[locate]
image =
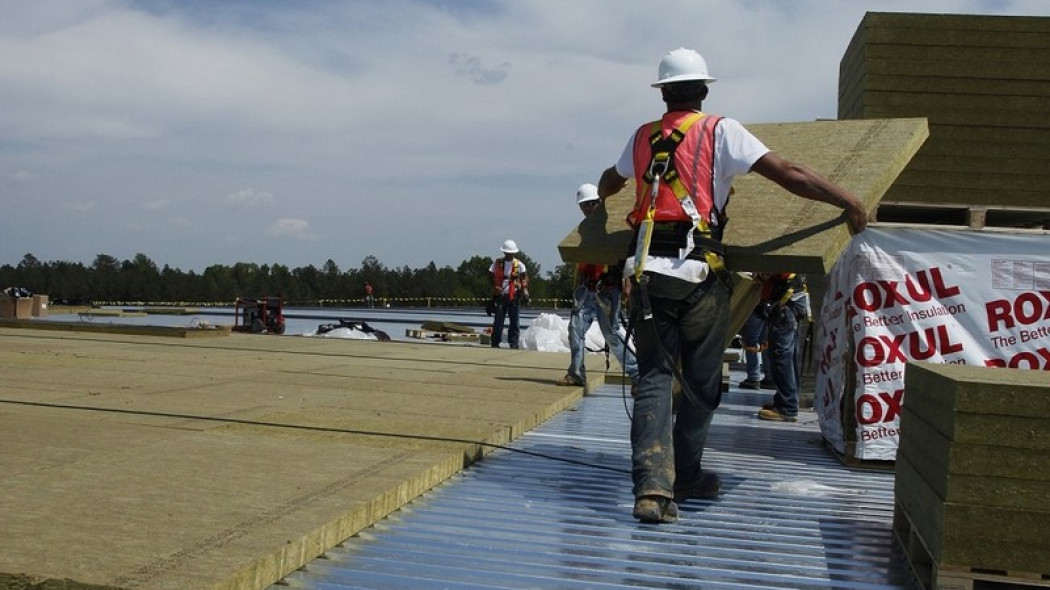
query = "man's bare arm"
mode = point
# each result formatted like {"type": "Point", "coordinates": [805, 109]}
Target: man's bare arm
{"type": "Point", "coordinates": [610, 183]}
{"type": "Point", "coordinates": [807, 184]}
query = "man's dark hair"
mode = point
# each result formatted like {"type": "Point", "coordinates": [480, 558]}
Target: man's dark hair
{"type": "Point", "coordinates": [684, 91]}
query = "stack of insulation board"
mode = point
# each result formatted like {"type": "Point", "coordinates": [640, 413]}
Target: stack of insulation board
{"type": "Point", "coordinates": [984, 84]}
{"type": "Point", "coordinates": [973, 473]}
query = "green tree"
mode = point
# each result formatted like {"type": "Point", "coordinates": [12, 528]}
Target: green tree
{"type": "Point", "coordinates": [309, 279]}
{"type": "Point", "coordinates": [107, 282]}
{"type": "Point", "coordinates": [284, 284]}
{"type": "Point", "coordinates": [475, 278]}
{"type": "Point", "coordinates": [29, 262]}
{"type": "Point", "coordinates": [219, 284]}
{"type": "Point", "coordinates": [105, 263]}
{"type": "Point", "coordinates": [68, 282]}
{"type": "Point", "coordinates": [374, 273]}
{"type": "Point", "coordinates": [561, 282]}
{"type": "Point", "coordinates": [30, 273]}
{"type": "Point", "coordinates": [141, 279]}
{"type": "Point", "coordinates": [331, 280]}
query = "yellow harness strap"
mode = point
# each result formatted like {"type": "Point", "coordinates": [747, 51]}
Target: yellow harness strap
{"type": "Point", "coordinates": [663, 149]}
{"type": "Point", "coordinates": [788, 292]}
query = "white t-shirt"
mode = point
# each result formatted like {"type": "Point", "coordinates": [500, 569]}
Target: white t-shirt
{"type": "Point", "coordinates": [736, 151]}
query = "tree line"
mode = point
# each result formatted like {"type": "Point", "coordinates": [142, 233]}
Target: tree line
{"type": "Point", "coordinates": [109, 280]}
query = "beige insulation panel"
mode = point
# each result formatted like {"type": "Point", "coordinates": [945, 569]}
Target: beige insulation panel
{"type": "Point", "coordinates": [983, 82]}
{"type": "Point", "coordinates": [971, 471]}
{"type": "Point", "coordinates": [771, 230]}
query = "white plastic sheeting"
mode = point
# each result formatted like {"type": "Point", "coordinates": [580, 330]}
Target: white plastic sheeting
{"type": "Point", "coordinates": [550, 333]}
{"type": "Point", "coordinates": [547, 332]}
{"type": "Point", "coordinates": [938, 295]}
{"type": "Point", "coordinates": [345, 333]}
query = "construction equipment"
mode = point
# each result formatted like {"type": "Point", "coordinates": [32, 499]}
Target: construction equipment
{"type": "Point", "coordinates": [258, 316]}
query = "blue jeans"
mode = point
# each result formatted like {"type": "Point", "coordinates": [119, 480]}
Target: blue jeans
{"type": "Point", "coordinates": [784, 355]}
{"type": "Point", "coordinates": [604, 308]}
{"type": "Point", "coordinates": [506, 308]}
{"type": "Point", "coordinates": [667, 444]}
{"type": "Point", "coordinates": [754, 337]}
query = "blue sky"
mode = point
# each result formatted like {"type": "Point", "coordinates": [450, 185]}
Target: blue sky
{"type": "Point", "coordinates": [212, 132]}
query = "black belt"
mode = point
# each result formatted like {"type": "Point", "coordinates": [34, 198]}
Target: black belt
{"type": "Point", "coordinates": [669, 238]}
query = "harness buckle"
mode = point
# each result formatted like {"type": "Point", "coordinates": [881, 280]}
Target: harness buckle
{"type": "Point", "coordinates": [647, 306]}
{"type": "Point", "coordinates": [660, 163]}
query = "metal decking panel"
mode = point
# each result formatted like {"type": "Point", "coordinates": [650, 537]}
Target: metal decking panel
{"type": "Point", "coordinates": [790, 516]}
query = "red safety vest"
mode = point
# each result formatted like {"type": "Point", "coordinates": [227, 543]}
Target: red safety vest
{"type": "Point", "coordinates": [497, 278]}
{"type": "Point", "coordinates": [779, 287]}
{"type": "Point", "coordinates": [590, 274]}
{"type": "Point", "coordinates": [695, 169]}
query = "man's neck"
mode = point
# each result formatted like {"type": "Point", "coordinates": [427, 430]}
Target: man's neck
{"type": "Point", "coordinates": [691, 105]}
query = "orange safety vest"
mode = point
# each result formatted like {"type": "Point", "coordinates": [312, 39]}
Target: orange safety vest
{"type": "Point", "coordinates": [590, 274]}
{"type": "Point", "coordinates": [779, 287]}
{"type": "Point", "coordinates": [693, 167]}
{"type": "Point", "coordinates": [497, 278]}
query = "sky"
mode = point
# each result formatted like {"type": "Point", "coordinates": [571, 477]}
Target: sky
{"type": "Point", "coordinates": [201, 132]}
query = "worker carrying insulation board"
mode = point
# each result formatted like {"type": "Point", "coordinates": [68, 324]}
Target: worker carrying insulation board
{"type": "Point", "coordinates": [683, 165]}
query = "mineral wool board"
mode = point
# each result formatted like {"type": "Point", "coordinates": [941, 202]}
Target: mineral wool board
{"type": "Point", "coordinates": [983, 82]}
{"type": "Point", "coordinates": [769, 229]}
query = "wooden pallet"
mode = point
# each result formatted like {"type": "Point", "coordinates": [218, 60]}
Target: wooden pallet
{"type": "Point", "coordinates": [972, 216]}
{"type": "Point", "coordinates": [475, 337]}
{"type": "Point", "coordinates": [432, 326]}
{"type": "Point", "coordinates": [850, 459]}
{"type": "Point", "coordinates": [938, 576]}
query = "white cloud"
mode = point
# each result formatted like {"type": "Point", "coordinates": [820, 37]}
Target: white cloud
{"type": "Point", "coordinates": [249, 197]}
{"type": "Point", "coordinates": [290, 227]}
{"type": "Point", "coordinates": [458, 124]}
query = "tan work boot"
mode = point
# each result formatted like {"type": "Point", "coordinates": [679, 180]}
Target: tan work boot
{"type": "Point", "coordinates": [655, 509]}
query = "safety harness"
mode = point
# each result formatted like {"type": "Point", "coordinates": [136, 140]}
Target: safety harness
{"type": "Point", "coordinates": [785, 287]}
{"type": "Point", "coordinates": [696, 240]}
{"type": "Point", "coordinates": [514, 282]}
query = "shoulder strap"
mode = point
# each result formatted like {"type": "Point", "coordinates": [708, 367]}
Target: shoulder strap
{"type": "Point", "coordinates": [662, 148]}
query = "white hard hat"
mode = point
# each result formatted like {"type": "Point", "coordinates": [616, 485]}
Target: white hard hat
{"type": "Point", "coordinates": [509, 247]}
{"type": "Point", "coordinates": [586, 192]}
{"type": "Point", "coordinates": [682, 65]}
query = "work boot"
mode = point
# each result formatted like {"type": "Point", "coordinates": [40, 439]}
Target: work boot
{"type": "Point", "coordinates": [655, 509]}
{"type": "Point", "coordinates": [706, 488]}
{"type": "Point", "coordinates": [750, 384]}
{"type": "Point", "coordinates": [775, 415]}
{"type": "Point", "coordinates": [570, 381]}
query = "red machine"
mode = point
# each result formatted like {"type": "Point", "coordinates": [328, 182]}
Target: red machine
{"type": "Point", "coordinates": [265, 314]}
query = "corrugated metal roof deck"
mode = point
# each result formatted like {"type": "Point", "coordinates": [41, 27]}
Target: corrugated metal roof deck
{"type": "Point", "coordinates": [790, 516]}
